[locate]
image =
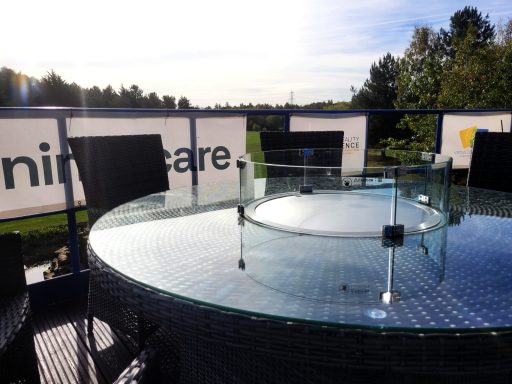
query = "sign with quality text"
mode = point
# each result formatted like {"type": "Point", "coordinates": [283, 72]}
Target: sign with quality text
{"type": "Point", "coordinates": [355, 134]}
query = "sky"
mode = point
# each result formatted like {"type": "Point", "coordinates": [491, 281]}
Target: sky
{"type": "Point", "coordinates": [219, 51]}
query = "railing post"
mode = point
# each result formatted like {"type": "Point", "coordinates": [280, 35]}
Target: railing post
{"type": "Point", "coordinates": [439, 132]}
{"type": "Point", "coordinates": [286, 122]}
{"type": "Point", "coordinates": [73, 242]}
{"type": "Point", "coordinates": [193, 149]}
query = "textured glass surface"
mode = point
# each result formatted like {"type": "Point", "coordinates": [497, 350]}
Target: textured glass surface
{"type": "Point", "coordinates": [191, 243]}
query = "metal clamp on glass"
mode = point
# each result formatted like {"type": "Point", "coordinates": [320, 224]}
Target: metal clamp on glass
{"type": "Point", "coordinates": [305, 189]}
{"type": "Point", "coordinates": [424, 199]}
{"type": "Point", "coordinates": [389, 297]}
{"type": "Point", "coordinates": [240, 164]}
{"type": "Point", "coordinates": [392, 231]}
{"type": "Point", "coordinates": [394, 172]}
{"type": "Point", "coordinates": [392, 235]}
{"type": "Point", "coordinates": [430, 157]}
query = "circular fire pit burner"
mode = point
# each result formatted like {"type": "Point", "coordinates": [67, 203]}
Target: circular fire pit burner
{"type": "Point", "coordinates": [340, 213]}
{"type": "Point", "coordinates": [330, 192]}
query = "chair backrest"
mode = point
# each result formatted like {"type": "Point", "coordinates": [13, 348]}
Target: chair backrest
{"type": "Point", "coordinates": [13, 272]}
{"type": "Point", "coordinates": [117, 169]}
{"type": "Point", "coordinates": [274, 142]}
{"type": "Point", "coordinates": [491, 161]}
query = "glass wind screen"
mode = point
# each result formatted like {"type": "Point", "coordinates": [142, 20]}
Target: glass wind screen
{"type": "Point", "coordinates": [310, 191]}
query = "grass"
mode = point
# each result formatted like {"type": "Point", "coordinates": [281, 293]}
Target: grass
{"type": "Point", "coordinates": [43, 236]}
{"type": "Point", "coordinates": [253, 142]}
{"type": "Point", "coordinates": [254, 145]}
{"type": "Point", "coordinates": [37, 223]}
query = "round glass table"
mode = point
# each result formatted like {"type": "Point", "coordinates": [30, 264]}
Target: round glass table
{"type": "Point", "coordinates": [436, 304]}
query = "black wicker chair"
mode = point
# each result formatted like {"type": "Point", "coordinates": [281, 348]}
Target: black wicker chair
{"type": "Point", "coordinates": [18, 359]}
{"type": "Point", "coordinates": [143, 369]}
{"type": "Point", "coordinates": [491, 161]}
{"type": "Point", "coordinates": [286, 148]}
{"type": "Point", "coordinates": [115, 170]}
{"type": "Point", "coordinates": [158, 362]}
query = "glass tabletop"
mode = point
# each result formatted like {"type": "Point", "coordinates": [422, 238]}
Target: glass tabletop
{"type": "Point", "coordinates": [191, 243]}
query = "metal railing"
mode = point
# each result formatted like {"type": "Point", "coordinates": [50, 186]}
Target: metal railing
{"type": "Point", "coordinates": [76, 283]}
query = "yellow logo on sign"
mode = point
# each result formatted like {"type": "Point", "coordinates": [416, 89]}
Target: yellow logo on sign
{"type": "Point", "coordinates": [467, 136]}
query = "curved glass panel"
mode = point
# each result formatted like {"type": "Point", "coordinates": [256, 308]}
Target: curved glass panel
{"type": "Point", "coordinates": [328, 192]}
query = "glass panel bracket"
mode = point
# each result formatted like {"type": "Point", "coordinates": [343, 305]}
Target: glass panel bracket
{"type": "Point", "coordinates": [394, 172]}
{"type": "Point", "coordinates": [389, 297]}
{"type": "Point", "coordinates": [240, 164]}
{"type": "Point", "coordinates": [392, 235]}
{"type": "Point", "coordinates": [305, 189]}
{"type": "Point", "coordinates": [424, 199]}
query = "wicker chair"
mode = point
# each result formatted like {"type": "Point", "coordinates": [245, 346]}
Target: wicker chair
{"type": "Point", "coordinates": [141, 370]}
{"type": "Point", "coordinates": [491, 161]}
{"type": "Point", "coordinates": [278, 146]}
{"type": "Point", "coordinates": [115, 170]}
{"type": "Point", "coordinates": [18, 359]}
{"type": "Point", "coordinates": [158, 362]}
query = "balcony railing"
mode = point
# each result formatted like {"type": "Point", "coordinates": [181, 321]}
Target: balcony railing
{"type": "Point", "coordinates": [202, 145]}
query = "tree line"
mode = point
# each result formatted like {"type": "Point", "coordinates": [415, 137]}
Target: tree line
{"type": "Point", "coordinates": [20, 90]}
{"type": "Point", "coordinates": [468, 66]}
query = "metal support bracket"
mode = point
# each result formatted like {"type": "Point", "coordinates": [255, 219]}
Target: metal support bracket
{"type": "Point", "coordinates": [392, 231]}
{"type": "Point", "coordinates": [394, 172]}
{"type": "Point", "coordinates": [430, 157]}
{"type": "Point", "coordinates": [424, 199]}
{"type": "Point", "coordinates": [389, 297]}
{"type": "Point", "coordinates": [392, 235]}
{"type": "Point", "coordinates": [305, 189]}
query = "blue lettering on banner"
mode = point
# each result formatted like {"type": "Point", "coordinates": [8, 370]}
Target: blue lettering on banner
{"type": "Point", "coordinates": [182, 160]}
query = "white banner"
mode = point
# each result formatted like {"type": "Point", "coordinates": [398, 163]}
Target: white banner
{"type": "Point", "coordinates": [220, 141]}
{"type": "Point", "coordinates": [354, 137]}
{"type": "Point", "coordinates": [459, 131]}
{"type": "Point", "coordinates": [34, 154]}
{"type": "Point", "coordinates": [31, 173]}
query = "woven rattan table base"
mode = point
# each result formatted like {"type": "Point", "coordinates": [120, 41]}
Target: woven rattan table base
{"type": "Point", "coordinates": [219, 346]}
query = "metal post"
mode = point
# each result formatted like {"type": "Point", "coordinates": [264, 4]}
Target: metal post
{"type": "Point", "coordinates": [439, 132]}
{"type": "Point", "coordinates": [391, 267]}
{"type": "Point", "coordinates": [193, 148]}
{"type": "Point", "coordinates": [286, 122]}
{"type": "Point", "coordinates": [73, 242]}
{"type": "Point", "coordinates": [394, 199]}
{"type": "Point", "coordinates": [68, 189]}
